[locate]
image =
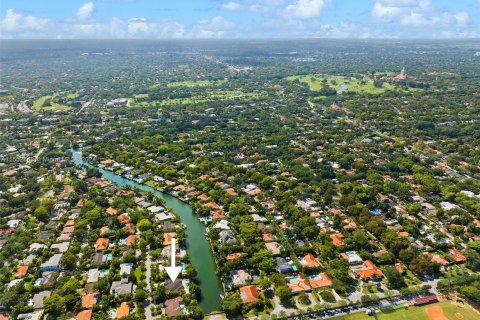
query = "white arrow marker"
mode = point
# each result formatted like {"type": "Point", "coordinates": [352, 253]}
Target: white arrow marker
{"type": "Point", "coordinates": [173, 271]}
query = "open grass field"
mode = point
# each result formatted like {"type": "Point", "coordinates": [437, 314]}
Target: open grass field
{"type": "Point", "coordinates": [200, 83]}
{"type": "Point", "coordinates": [363, 85]}
{"type": "Point", "coordinates": [39, 104]}
{"type": "Point", "coordinates": [449, 308]}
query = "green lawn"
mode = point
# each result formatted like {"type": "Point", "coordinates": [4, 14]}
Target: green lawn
{"type": "Point", "coordinates": [138, 273]}
{"type": "Point", "coordinates": [418, 313]}
{"type": "Point", "coordinates": [199, 83]}
{"type": "Point", "coordinates": [365, 85]}
{"type": "Point", "coordinates": [39, 104]}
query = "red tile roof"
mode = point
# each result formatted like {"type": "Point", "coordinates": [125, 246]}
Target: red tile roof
{"type": "Point", "coordinates": [249, 293]}
{"type": "Point", "coordinates": [337, 239]}
{"type": "Point", "coordinates": [89, 300]}
{"type": "Point", "coordinates": [21, 271]}
{"type": "Point", "coordinates": [84, 315]}
{"type": "Point", "coordinates": [123, 311]}
{"type": "Point", "coordinates": [101, 244]}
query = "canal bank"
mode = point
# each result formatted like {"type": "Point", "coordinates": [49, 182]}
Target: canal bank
{"type": "Point", "coordinates": [198, 247]}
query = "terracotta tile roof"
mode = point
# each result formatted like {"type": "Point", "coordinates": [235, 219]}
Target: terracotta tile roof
{"type": "Point", "coordinates": [234, 256]}
{"type": "Point", "coordinates": [211, 205]}
{"type": "Point", "coordinates": [320, 280]}
{"type": "Point", "coordinates": [3, 316]}
{"type": "Point", "coordinates": [123, 218]}
{"type": "Point", "coordinates": [167, 238]}
{"type": "Point", "coordinates": [217, 214]}
{"type": "Point", "coordinates": [21, 271]}
{"type": "Point", "coordinates": [203, 197]}
{"type": "Point", "coordinates": [456, 255]}
{"type": "Point", "coordinates": [268, 237]}
{"type": "Point", "coordinates": [123, 311]}
{"type": "Point", "coordinates": [368, 270]}
{"type": "Point", "coordinates": [299, 286]}
{"type": "Point", "coordinates": [68, 229]}
{"type": "Point", "coordinates": [101, 244]}
{"type": "Point", "coordinates": [69, 223]}
{"type": "Point", "coordinates": [249, 294]}
{"type": "Point", "coordinates": [231, 192]}
{"type": "Point", "coordinates": [309, 260]}
{"type": "Point", "coordinates": [436, 258]}
{"type": "Point", "coordinates": [131, 240]}
{"type": "Point", "coordinates": [112, 211]}
{"type": "Point", "coordinates": [84, 315]}
{"type": "Point", "coordinates": [89, 300]}
{"type": "Point", "coordinates": [337, 239]}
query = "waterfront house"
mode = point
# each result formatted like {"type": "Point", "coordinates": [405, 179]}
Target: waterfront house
{"type": "Point", "coordinates": [249, 294]}
{"type": "Point", "coordinates": [227, 237]}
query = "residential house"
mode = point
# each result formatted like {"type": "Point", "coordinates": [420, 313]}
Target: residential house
{"type": "Point", "coordinates": [352, 257]}
{"type": "Point", "coordinates": [238, 278]}
{"type": "Point", "coordinates": [53, 263]}
{"type": "Point", "coordinates": [122, 287]}
{"type": "Point", "coordinates": [173, 307]}
{"type": "Point", "coordinates": [249, 294]}
{"type": "Point", "coordinates": [38, 298]}
{"type": "Point", "coordinates": [101, 244]}
{"type": "Point", "coordinates": [283, 266]}
{"type": "Point", "coordinates": [226, 236]}
{"type": "Point", "coordinates": [320, 280]}
{"type": "Point", "coordinates": [367, 271]}
{"type": "Point", "coordinates": [337, 239]}
{"type": "Point", "coordinates": [309, 261]}
{"type": "Point", "coordinates": [273, 247]}
{"type": "Point", "coordinates": [89, 300]}
{"type": "Point", "coordinates": [84, 315]}
{"type": "Point", "coordinates": [298, 284]}
{"type": "Point", "coordinates": [123, 311]}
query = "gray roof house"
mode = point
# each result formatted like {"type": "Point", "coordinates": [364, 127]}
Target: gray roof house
{"type": "Point", "coordinates": [226, 236]}
{"type": "Point", "coordinates": [122, 287]}
{"type": "Point", "coordinates": [282, 265]}
{"type": "Point", "coordinates": [53, 263]}
{"type": "Point", "coordinates": [37, 300]}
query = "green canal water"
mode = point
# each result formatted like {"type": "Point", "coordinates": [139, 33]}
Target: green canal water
{"type": "Point", "coordinates": [198, 247]}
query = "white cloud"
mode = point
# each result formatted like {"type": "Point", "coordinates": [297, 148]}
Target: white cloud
{"type": "Point", "coordinates": [389, 9]}
{"type": "Point", "coordinates": [303, 9]}
{"type": "Point", "coordinates": [382, 11]}
{"type": "Point", "coordinates": [17, 22]}
{"type": "Point", "coordinates": [141, 27]}
{"type": "Point", "coordinates": [85, 11]}
{"type": "Point", "coordinates": [234, 6]}
{"type": "Point", "coordinates": [213, 28]}
{"type": "Point", "coordinates": [416, 19]}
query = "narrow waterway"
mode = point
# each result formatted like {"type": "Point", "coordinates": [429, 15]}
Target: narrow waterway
{"type": "Point", "coordinates": [198, 248]}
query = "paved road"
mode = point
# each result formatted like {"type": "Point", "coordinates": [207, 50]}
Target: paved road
{"type": "Point", "coordinates": [148, 275]}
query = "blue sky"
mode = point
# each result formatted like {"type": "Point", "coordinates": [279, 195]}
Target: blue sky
{"type": "Point", "coordinates": [240, 18]}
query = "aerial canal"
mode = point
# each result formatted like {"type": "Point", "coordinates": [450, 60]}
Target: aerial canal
{"type": "Point", "coordinates": [198, 247]}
